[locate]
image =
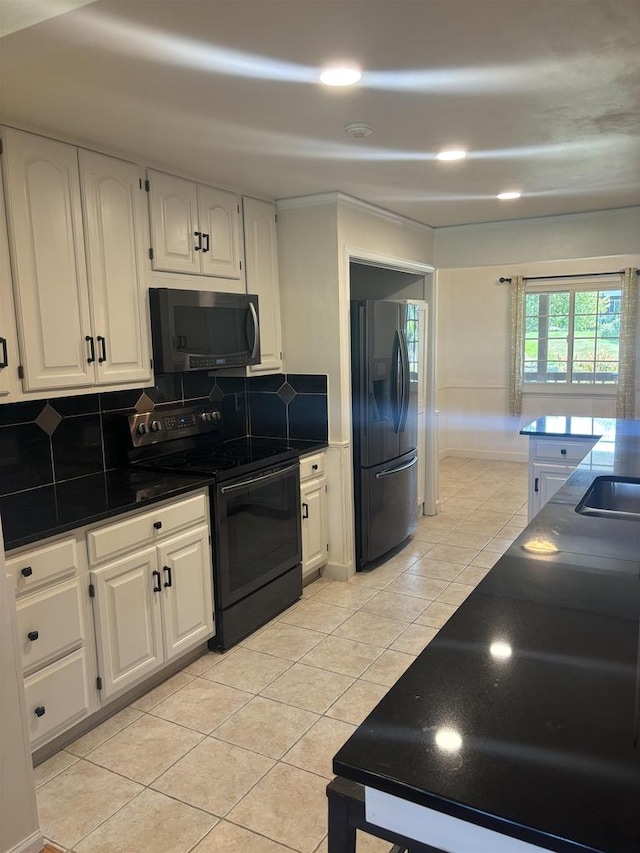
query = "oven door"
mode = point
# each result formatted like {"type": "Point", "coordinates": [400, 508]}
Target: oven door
{"type": "Point", "coordinates": [258, 530]}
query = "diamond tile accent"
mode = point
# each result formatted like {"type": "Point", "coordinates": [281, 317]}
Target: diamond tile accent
{"type": "Point", "coordinates": [286, 393]}
{"type": "Point", "coordinates": [48, 420]}
{"type": "Point", "coordinates": [144, 404]}
{"type": "Point", "coordinates": [216, 394]}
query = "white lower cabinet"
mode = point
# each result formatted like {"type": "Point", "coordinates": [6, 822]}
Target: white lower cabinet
{"type": "Point", "coordinates": [57, 697]}
{"type": "Point", "coordinates": [551, 461]}
{"type": "Point", "coordinates": [313, 502]}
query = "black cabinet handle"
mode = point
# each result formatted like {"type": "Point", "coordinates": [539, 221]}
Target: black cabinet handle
{"type": "Point", "coordinates": [5, 358]}
{"type": "Point", "coordinates": [92, 349]}
{"type": "Point", "coordinates": [40, 711]}
{"type": "Point", "coordinates": [26, 572]}
{"type": "Point", "coordinates": [33, 635]}
{"type": "Point", "coordinates": [103, 346]}
{"type": "Point", "coordinates": [157, 525]}
{"type": "Point", "coordinates": [314, 467]}
{"type": "Point", "coordinates": [206, 245]}
{"type": "Point", "coordinates": [168, 581]}
{"type": "Point", "coordinates": [157, 587]}
{"type": "Point", "coordinates": [535, 485]}
{"type": "Point", "coordinates": [563, 450]}
{"type": "Point", "coordinates": [198, 234]}
{"type": "Point", "coordinates": [305, 510]}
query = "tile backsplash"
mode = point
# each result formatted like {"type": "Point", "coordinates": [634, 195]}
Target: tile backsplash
{"type": "Point", "coordinates": [47, 441]}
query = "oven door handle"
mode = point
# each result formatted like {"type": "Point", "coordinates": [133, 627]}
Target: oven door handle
{"type": "Point", "coordinates": [253, 314]}
{"type": "Point", "coordinates": [235, 486]}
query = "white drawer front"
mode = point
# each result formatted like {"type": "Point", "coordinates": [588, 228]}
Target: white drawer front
{"type": "Point", "coordinates": [122, 536]}
{"type": "Point", "coordinates": [57, 696]}
{"type": "Point", "coordinates": [312, 466]}
{"type": "Point", "coordinates": [39, 566]}
{"type": "Point", "coordinates": [562, 451]}
{"type": "Point", "coordinates": [49, 624]}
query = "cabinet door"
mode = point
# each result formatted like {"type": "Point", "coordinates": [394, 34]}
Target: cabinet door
{"type": "Point", "coordinates": [127, 620]}
{"type": "Point", "coordinates": [50, 276]}
{"type": "Point", "coordinates": [261, 252]}
{"type": "Point", "coordinates": [174, 216]}
{"type": "Point", "coordinates": [219, 222]}
{"type": "Point", "coordinates": [187, 598]}
{"type": "Point", "coordinates": [546, 480]}
{"type": "Point", "coordinates": [114, 209]}
{"type": "Point", "coordinates": [313, 499]}
{"type": "Point", "coordinates": [8, 335]}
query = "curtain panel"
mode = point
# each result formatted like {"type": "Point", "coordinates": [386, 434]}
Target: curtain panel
{"type": "Point", "coordinates": [516, 343]}
{"type": "Point", "coordinates": [626, 400]}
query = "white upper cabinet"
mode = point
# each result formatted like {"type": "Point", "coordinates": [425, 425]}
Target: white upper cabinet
{"type": "Point", "coordinates": [261, 252]}
{"type": "Point", "coordinates": [8, 335]}
{"type": "Point", "coordinates": [194, 228]}
{"type": "Point", "coordinates": [114, 214]}
{"type": "Point", "coordinates": [50, 275]}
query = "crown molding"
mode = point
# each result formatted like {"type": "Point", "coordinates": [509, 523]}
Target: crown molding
{"type": "Point", "coordinates": [345, 200]}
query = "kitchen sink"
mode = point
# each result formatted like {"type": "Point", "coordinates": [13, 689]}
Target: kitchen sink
{"type": "Point", "coordinates": [612, 497]}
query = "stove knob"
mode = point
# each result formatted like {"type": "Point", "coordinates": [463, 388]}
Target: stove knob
{"type": "Point", "coordinates": [204, 417]}
{"type": "Point", "coordinates": [142, 429]}
{"type": "Point", "coordinates": [216, 416]}
{"type": "Point", "coordinates": [156, 426]}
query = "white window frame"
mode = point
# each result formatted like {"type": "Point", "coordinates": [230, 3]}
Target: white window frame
{"type": "Point", "coordinates": [568, 388]}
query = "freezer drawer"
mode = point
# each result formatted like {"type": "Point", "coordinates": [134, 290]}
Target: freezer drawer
{"type": "Point", "coordinates": [388, 504]}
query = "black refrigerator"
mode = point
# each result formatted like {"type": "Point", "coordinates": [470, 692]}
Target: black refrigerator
{"type": "Point", "coordinates": [384, 383]}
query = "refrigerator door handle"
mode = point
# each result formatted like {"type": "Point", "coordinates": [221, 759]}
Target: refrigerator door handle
{"type": "Point", "coordinates": [396, 391]}
{"type": "Point", "coordinates": [390, 471]}
{"type": "Point", "coordinates": [404, 362]}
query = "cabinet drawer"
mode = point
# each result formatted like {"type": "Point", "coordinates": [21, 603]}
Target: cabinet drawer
{"type": "Point", "coordinates": [312, 466]}
{"type": "Point", "coordinates": [122, 536]}
{"type": "Point", "coordinates": [49, 624]}
{"type": "Point", "coordinates": [39, 566]}
{"type": "Point", "coordinates": [556, 450]}
{"type": "Point", "coordinates": [56, 696]}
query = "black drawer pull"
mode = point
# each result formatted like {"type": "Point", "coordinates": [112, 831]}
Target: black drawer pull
{"type": "Point", "coordinates": [5, 359]}
{"type": "Point", "coordinates": [157, 525]}
{"type": "Point", "coordinates": [205, 237]}
{"type": "Point", "coordinates": [33, 635]}
{"type": "Point", "coordinates": [92, 349]}
{"type": "Point", "coordinates": [563, 450]}
{"type": "Point", "coordinates": [315, 467]}
{"type": "Point", "coordinates": [103, 346]}
{"type": "Point", "coordinates": [26, 572]}
{"type": "Point", "coordinates": [198, 234]}
{"type": "Point", "coordinates": [40, 711]}
{"type": "Point", "coordinates": [169, 581]}
{"type": "Point", "coordinates": [305, 510]}
{"type": "Point", "coordinates": [157, 586]}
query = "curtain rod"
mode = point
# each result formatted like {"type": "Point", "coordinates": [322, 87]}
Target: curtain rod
{"type": "Point", "coordinates": [504, 280]}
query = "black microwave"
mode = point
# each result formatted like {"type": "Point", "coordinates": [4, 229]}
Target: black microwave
{"type": "Point", "coordinates": [198, 330]}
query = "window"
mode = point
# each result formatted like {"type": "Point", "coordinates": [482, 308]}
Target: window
{"type": "Point", "coordinates": [572, 335]}
{"type": "Point", "coordinates": [412, 339]}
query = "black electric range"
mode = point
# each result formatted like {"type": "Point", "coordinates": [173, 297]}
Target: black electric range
{"type": "Point", "coordinates": [255, 511]}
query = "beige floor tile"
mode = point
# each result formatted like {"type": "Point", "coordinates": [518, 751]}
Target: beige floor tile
{"type": "Point", "coordinates": [510, 531]}
{"type": "Point", "coordinates": [498, 545]}
{"type": "Point", "coordinates": [474, 541]}
{"type": "Point", "coordinates": [388, 668]}
{"type": "Point", "coordinates": [487, 516]}
{"type": "Point", "coordinates": [379, 577]}
{"type": "Point", "coordinates": [52, 767]}
{"type": "Point", "coordinates": [204, 663]}
{"type": "Point", "coordinates": [214, 776]}
{"type": "Point", "coordinates": [79, 799]}
{"type": "Point", "coordinates": [267, 727]}
{"type": "Point", "coordinates": [452, 554]}
{"type": "Point", "coordinates": [247, 670]}
{"type": "Point", "coordinates": [229, 838]}
{"type": "Point", "coordinates": [414, 639]}
{"type": "Point", "coordinates": [162, 691]}
{"type": "Point", "coordinates": [455, 593]}
{"type": "Point", "coordinates": [145, 749]}
{"type": "Point", "coordinates": [149, 824]}
{"type": "Point", "coordinates": [368, 628]}
{"type": "Point", "coordinates": [365, 843]}
{"type": "Point", "coordinates": [421, 587]}
{"type": "Point", "coordinates": [439, 569]}
{"type": "Point", "coordinates": [436, 614]}
{"type": "Point", "coordinates": [357, 702]}
{"type": "Point", "coordinates": [485, 559]}
{"type": "Point", "coordinates": [315, 750]}
{"type": "Point", "coordinates": [287, 805]}
{"type": "Point", "coordinates": [348, 594]}
{"type": "Point", "coordinates": [344, 656]}
{"type": "Point", "coordinates": [402, 608]}
{"type": "Point", "coordinates": [103, 732]}
{"type": "Point", "coordinates": [472, 575]}
{"type": "Point", "coordinates": [315, 586]}
{"type": "Point", "coordinates": [484, 529]}
{"type": "Point", "coordinates": [317, 616]}
{"type": "Point", "coordinates": [308, 687]}
{"type": "Point", "coordinates": [462, 503]}
{"type": "Point", "coordinates": [286, 641]}
{"type": "Point", "coordinates": [201, 705]}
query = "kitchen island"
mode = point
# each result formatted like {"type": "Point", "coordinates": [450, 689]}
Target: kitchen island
{"type": "Point", "coordinates": [517, 728]}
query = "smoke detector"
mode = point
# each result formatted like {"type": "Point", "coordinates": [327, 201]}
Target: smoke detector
{"type": "Point", "coordinates": [359, 129]}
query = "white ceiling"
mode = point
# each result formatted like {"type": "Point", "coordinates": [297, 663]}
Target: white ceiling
{"type": "Point", "coordinates": [543, 93]}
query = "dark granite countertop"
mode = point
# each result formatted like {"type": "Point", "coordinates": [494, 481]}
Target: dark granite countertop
{"type": "Point", "coordinates": [38, 513]}
{"type": "Point", "coordinates": [538, 675]}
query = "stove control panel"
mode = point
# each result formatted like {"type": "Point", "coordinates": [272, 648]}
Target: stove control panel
{"type": "Point", "coordinates": [167, 424]}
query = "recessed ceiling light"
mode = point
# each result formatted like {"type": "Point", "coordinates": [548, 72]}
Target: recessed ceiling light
{"type": "Point", "coordinates": [452, 154]}
{"type": "Point", "coordinates": [505, 196]}
{"type": "Point", "coordinates": [340, 76]}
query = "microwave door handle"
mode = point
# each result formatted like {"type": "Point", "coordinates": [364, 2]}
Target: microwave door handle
{"type": "Point", "coordinates": [253, 315]}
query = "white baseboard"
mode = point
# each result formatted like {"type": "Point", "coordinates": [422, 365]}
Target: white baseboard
{"type": "Point", "coordinates": [32, 844]}
{"type": "Point", "coordinates": [337, 571]}
{"type": "Point", "coordinates": [490, 455]}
